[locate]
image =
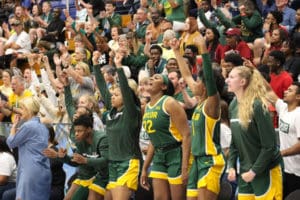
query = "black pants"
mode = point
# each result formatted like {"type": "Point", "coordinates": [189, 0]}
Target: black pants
{"type": "Point", "coordinates": [291, 183]}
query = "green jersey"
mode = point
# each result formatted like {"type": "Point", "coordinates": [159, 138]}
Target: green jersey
{"type": "Point", "coordinates": [96, 154]}
{"type": "Point", "coordinates": [205, 133]}
{"type": "Point", "coordinates": [123, 126]}
{"type": "Point", "coordinates": [158, 124]}
{"type": "Point", "coordinates": [255, 146]}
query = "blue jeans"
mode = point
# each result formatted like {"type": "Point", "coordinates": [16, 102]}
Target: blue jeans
{"type": "Point", "coordinates": [5, 188]}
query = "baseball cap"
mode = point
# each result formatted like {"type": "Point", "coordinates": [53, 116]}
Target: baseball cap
{"type": "Point", "coordinates": [233, 31]}
{"type": "Point", "coordinates": [16, 22]}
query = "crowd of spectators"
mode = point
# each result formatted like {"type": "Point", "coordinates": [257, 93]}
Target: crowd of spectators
{"type": "Point", "coordinates": [99, 72]}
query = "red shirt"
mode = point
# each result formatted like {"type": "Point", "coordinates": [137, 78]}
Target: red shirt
{"type": "Point", "coordinates": [280, 82]}
{"type": "Point", "coordinates": [241, 48]}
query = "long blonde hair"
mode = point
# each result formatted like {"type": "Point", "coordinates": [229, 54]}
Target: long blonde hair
{"type": "Point", "coordinates": [255, 89]}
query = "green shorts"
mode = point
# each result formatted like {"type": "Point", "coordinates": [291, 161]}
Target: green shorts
{"type": "Point", "coordinates": [206, 171]}
{"type": "Point", "coordinates": [167, 165]}
{"type": "Point", "coordinates": [263, 187]}
{"type": "Point", "coordinates": [124, 173]}
{"type": "Point", "coordinates": [99, 184]}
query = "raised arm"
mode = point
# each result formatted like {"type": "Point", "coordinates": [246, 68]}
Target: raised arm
{"type": "Point", "coordinates": [100, 81]}
{"type": "Point", "coordinates": [212, 107]}
{"type": "Point", "coordinates": [128, 99]}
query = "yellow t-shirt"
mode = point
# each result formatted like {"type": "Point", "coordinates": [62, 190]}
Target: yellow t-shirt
{"type": "Point", "coordinates": [14, 99]}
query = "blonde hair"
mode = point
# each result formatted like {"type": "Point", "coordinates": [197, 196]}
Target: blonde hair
{"type": "Point", "coordinates": [92, 99]}
{"type": "Point", "coordinates": [255, 89]}
{"type": "Point", "coordinates": [85, 67]}
{"type": "Point", "coordinates": [133, 85]}
{"type": "Point", "coordinates": [31, 105]}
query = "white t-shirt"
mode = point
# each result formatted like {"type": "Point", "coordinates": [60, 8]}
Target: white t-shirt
{"type": "Point", "coordinates": [225, 136]}
{"type": "Point", "coordinates": [289, 133]}
{"type": "Point", "coordinates": [8, 166]}
{"type": "Point", "coordinates": [81, 15]}
{"type": "Point", "coordinates": [23, 40]}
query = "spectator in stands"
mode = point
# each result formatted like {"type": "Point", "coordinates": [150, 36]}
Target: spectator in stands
{"type": "Point", "coordinates": [31, 80]}
{"type": "Point", "coordinates": [171, 65]}
{"type": "Point", "coordinates": [47, 15]}
{"type": "Point", "coordinates": [234, 43]}
{"type": "Point", "coordinates": [190, 32]}
{"type": "Point", "coordinates": [165, 25]}
{"type": "Point", "coordinates": [82, 53]}
{"type": "Point", "coordinates": [206, 8]}
{"type": "Point", "coordinates": [109, 18]}
{"type": "Point", "coordinates": [173, 10]}
{"type": "Point", "coordinates": [88, 36]}
{"type": "Point", "coordinates": [291, 50]}
{"type": "Point", "coordinates": [19, 92]}
{"type": "Point", "coordinates": [165, 45]}
{"type": "Point", "coordinates": [155, 26]}
{"type": "Point", "coordinates": [31, 138]}
{"type": "Point", "coordinates": [231, 60]}
{"type": "Point", "coordinates": [275, 42]}
{"type": "Point", "coordinates": [79, 77]}
{"type": "Point", "coordinates": [288, 14]}
{"type": "Point", "coordinates": [115, 33]}
{"type": "Point", "coordinates": [289, 134]}
{"type": "Point", "coordinates": [280, 79]}
{"type": "Point", "coordinates": [212, 37]}
{"type": "Point", "coordinates": [142, 22]}
{"type": "Point", "coordinates": [272, 22]}
{"type": "Point", "coordinates": [181, 92]}
{"type": "Point", "coordinates": [103, 48]}
{"type": "Point", "coordinates": [81, 11]}
{"type": "Point", "coordinates": [296, 28]}
{"type": "Point", "coordinates": [19, 14]}
{"type": "Point", "coordinates": [36, 12]}
{"type": "Point", "coordinates": [250, 21]}
{"type": "Point", "coordinates": [225, 22]}
{"type": "Point", "coordinates": [8, 167]}
{"type": "Point", "coordinates": [192, 52]}
{"type": "Point", "coordinates": [18, 42]}
{"type": "Point", "coordinates": [156, 63]}
{"type": "Point", "coordinates": [5, 88]}
{"type": "Point", "coordinates": [55, 29]}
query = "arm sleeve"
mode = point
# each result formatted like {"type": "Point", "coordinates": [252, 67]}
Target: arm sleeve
{"type": "Point", "coordinates": [135, 61]}
{"type": "Point", "coordinates": [127, 94]}
{"type": "Point", "coordinates": [208, 74]}
{"type": "Point", "coordinates": [233, 155]}
{"type": "Point", "coordinates": [223, 19]}
{"type": "Point", "coordinates": [102, 161]}
{"type": "Point", "coordinates": [254, 22]}
{"type": "Point", "coordinates": [204, 20]}
{"type": "Point", "coordinates": [267, 139]}
{"type": "Point", "coordinates": [20, 137]}
{"type": "Point", "coordinates": [102, 86]}
{"type": "Point", "coordinates": [70, 107]}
